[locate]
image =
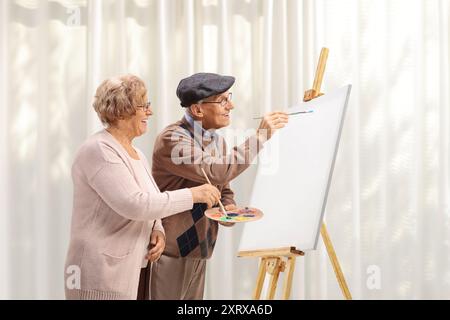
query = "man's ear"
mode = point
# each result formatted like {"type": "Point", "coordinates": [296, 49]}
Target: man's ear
{"type": "Point", "coordinates": [196, 110]}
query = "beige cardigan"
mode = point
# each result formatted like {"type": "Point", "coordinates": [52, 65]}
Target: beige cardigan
{"type": "Point", "coordinates": [112, 220]}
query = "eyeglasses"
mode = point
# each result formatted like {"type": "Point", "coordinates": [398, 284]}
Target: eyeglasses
{"type": "Point", "coordinates": [223, 102]}
{"type": "Point", "coordinates": [146, 106]}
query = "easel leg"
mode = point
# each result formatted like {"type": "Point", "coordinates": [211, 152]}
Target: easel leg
{"type": "Point", "coordinates": [273, 266]}
{"type": "Point", "coordinates": [334, 261]}
{"type": "Point", "coordinates": [289, 273]}
{"type": "Point", "coordinates": [260, 279]}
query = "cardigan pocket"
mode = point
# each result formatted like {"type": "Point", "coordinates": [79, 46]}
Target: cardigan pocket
{"type": "Point", "coordinates": [116, 271]}
{"type": "Point", "coordinates": [120, 251]}
{"type": "Point", "coordinates": [117, 257]}
{"type": "Point", "coordinates": [116, 263]}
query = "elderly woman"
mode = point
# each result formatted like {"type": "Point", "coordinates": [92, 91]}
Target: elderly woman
{"type": "Point", "coordinates": [117, 205]}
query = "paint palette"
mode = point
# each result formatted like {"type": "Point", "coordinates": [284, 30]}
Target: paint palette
{"type": "Point", "coordinates": [240, 214]}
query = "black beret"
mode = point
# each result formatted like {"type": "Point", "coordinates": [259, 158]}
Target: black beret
{"type": "Point", "coordinates": [202, 85]}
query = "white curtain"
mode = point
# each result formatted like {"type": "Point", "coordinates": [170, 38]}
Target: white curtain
{"type": "Point", "coordinates": [388, 210]}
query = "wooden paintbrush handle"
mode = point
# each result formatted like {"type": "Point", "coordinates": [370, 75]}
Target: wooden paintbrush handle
{"type": "Point", "coordinates": [220, 202]}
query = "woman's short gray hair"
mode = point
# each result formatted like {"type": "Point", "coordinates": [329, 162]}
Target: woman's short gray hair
{"type": "Point", "coordinates": [116, 98]}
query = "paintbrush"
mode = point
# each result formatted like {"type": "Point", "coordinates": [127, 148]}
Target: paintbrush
{"type": "Point", "coordinates": [289, 114]}
{"type": "Point", "coordinates": [220, 202]}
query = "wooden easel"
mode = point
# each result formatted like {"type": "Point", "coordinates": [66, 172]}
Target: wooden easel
{"type": "Point", "coordinates": [274, 261]}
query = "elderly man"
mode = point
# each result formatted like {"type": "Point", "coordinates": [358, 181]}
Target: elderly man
{"type": "Point", "coordinates": [181, 151]}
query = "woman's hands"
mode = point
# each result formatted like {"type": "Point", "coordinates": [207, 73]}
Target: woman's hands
{"type": "Point", "coordinates": [206, 194]}
{"type": "Point", "coordinates": [270, 123]}
{"type": "Point", "coordinates": [157, 244]}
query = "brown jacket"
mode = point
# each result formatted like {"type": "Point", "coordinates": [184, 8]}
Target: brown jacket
{"type": "Point", "coordinates": [178, 156]}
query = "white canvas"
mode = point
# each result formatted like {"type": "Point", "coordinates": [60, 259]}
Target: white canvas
{"type": "Point", "coordinates": [294, 175]}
